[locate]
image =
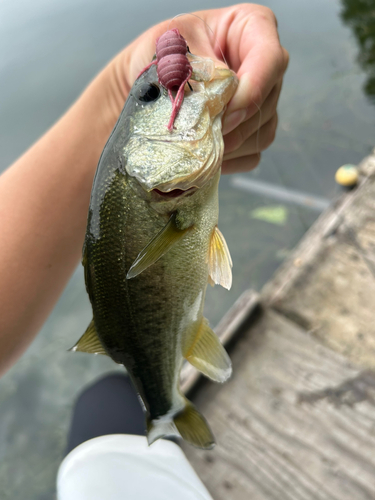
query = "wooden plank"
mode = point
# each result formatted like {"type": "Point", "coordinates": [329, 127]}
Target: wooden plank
{"type": "Point", "coordinates": [328, 285]}
{"type": "Point", "coordinates": [232, 321]}
{"type": "Point", "coordinates": [296, 421]}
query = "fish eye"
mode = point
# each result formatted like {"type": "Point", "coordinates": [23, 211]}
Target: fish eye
{"type": "Point", "coordinates": [148, 92]}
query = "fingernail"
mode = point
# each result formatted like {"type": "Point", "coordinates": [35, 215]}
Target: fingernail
{"type": "Point", "coordinates": [233, 120]}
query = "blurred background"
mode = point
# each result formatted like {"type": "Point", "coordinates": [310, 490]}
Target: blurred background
{"type": "Point", "coordinates": [49, 51]}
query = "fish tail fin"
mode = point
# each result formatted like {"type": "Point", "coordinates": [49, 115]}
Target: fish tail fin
{"type": "Point", "coordinates": [187, 423]}
{"type": "Point", "coordinates": [193, 427]}
{"type": "Point", "coordinates": [157, 429]}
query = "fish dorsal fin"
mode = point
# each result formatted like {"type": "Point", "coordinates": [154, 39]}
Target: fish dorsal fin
{"type": "Point", "coordinates": [158, 246]}
{"type": "Point", "coordinates": [89, 342]}
{"type": "Point", "coordinates": [219, 261]}
{"type": "Point", "coordinates": [206, 353]}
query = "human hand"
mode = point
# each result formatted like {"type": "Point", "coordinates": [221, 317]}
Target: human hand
{"type": "Point", "coordinates": [247, 35]}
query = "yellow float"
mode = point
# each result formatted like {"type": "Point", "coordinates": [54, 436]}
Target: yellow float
{"type": "Point", "coordinates": [347, 175]}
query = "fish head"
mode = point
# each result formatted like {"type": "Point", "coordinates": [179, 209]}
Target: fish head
{"type": "Point", "coordinates": [184, 159]}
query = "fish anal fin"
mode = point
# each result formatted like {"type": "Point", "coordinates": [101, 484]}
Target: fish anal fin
{"type": "Point", "coordinates": [193, 427]}
{"type": "Point", "coordinates": [89, 342]}
{"type": "Point", "coordinates": [157, 247]}
{"type": "Point", "coordinates": [207, 354]}
{"type": "Point", "coordinates": [219, 260]}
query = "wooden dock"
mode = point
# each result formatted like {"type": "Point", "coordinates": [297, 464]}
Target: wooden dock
{"type": "Point", "coordinates": [297, 419]}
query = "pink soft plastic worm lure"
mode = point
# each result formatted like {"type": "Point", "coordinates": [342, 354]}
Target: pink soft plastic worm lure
{"type": "Point", "coordinates": [173, 67]}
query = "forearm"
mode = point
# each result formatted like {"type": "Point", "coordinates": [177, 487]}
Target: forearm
{"type": "Point", "coordinates": [44, 200]}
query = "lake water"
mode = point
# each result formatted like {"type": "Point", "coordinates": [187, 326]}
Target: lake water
{"type": "Point", "coordinates": [49, 51]}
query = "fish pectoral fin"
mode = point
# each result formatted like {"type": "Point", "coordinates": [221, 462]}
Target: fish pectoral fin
{"type": "Point", "coordinates": [219, 261]}
{"type": "Point", "coordinates": [157, 247]}
{"type": "Point", "coordinates": [207, 354]}
{"type": "Point", "coordinates": [193, 427]}
{"type": "Point", "coordinates": [89, 342]}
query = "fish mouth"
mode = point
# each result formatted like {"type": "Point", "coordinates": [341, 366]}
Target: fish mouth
{"type": "Point", "coordinates": [175, 193]}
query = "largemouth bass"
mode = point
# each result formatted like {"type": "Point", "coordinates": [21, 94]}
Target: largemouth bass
{"type": "Point", "coordinates": [152, 245]}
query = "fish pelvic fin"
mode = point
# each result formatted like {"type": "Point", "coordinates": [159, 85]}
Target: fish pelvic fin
{"type": "Point", "coordinates": [187, 423]}
{"type": "Point", "coordinates": [89, 342]}
{"type": "Point", "coordinates": [206, 353]}
{"type": "Point", "coordinates": [219, 261]}
{"type": "Point", "coordinates": [158, 246]}
{"type": "Point", "coordinates": [193, 427]}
